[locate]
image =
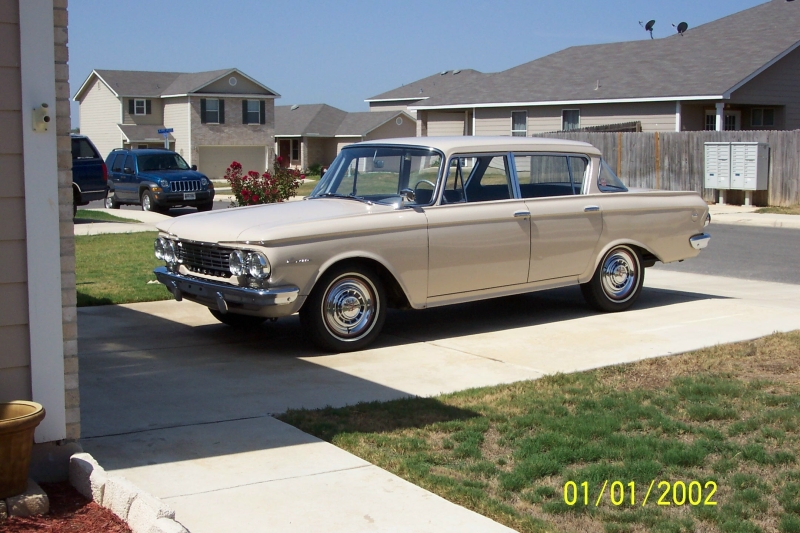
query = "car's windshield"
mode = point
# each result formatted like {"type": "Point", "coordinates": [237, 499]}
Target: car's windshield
{"type": "Point", "coordinates": [165, 161]}
{"type": "Point", "coordinates": [381, 173]}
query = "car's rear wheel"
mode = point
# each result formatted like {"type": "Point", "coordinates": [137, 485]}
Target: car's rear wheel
{"type": "Point", "coordinates": [617, 282]}
{"type": "Point", "coordinates": [75, 200]}
{"type": "Point", "coordinates": [238, 321]}
{"type": "Point", "coordinates": [111, 201]}
{"type": "Point", "coordinates": [346, 310]}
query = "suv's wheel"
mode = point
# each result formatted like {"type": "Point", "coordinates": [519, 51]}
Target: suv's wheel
{"type": "Point", "coordinates": [206, 207]}
{"type": "Point", "coordinates": [111, 201]}
{"type": "Point", "coordinates": [617, 282]}
{"type": "Point", "coordinates": [148, 202]}
{"type": "Point", "coordinates": [346, 310]}
{"type": "Point", "coordinates": [237, 321]}
{"type": "Point", "coordinates": [75, 200]}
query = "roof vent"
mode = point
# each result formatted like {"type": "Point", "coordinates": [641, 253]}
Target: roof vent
{"type": "Point", "coordinates": [295, 106]}
{"type": "Point", "coordinates": [442, 73]}
{"type": "Point", "coordinates": [456, 71]}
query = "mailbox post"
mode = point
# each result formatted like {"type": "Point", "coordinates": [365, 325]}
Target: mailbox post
{"type": "Point", "coordinates": [165, 132]}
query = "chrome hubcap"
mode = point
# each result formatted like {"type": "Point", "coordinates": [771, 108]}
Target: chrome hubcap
{"type": "Point", "coordinates": [109, 202]}
{"type": "Point", "coordinates": [620, 274]}
{"type": "Point", "coordinates": [349, 307]}
{"type": "Point", "coordinates": [146, 203]}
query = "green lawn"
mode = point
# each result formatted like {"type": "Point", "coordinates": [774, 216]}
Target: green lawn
{"type": "Point", "coordinates": [116, 268]}
{"type": "Point", "coordinates": [791, 210]}
{"type": "Point", "coordinates": [100, 216]}
{"type": "Point", "coordinates": [727, 418]}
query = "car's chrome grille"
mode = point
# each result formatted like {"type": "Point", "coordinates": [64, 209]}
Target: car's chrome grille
{"type": "Point", "coordinates": [205, 258]}
{"type": "Point", "coordinates": [185, 186]}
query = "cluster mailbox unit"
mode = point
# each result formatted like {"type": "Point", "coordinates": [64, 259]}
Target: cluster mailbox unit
{"type": "Point", "coordinates": [740, 166]}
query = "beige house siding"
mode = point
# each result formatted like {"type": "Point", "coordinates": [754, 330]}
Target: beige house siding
{"type": "Point", "coordinates": [99, 116]}
{"type": "Point", "coordinates": [394, 106]}
{"type": "Point", "coordinates": [176, 116]}
{"type": "Point", "coordinates": [321, 151]}
{"type": "Point", "coordinates": [15, 376]}
{"type": "Point", "coordinates": [243, 86]}
{"type": "Point", "coordinates": [779, 85]}
{"type": "Point", "coordinates": [341, 142]}
{"type": "Point", "coordinates": [391, 130]}
{"type": "Point", "coordinates": [445, 123]}
{"type": "Point", "coordinates": [69, 315]}
{"type": "Point", "coordinates": [156, 116]}
{"type": "Point", "coordinates": [233, 132]}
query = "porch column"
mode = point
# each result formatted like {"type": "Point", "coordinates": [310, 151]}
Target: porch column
{"type": "Point", "coordinates": [303, 153]}
{"type": "Point", "coordinates": [677, 116]}
{"type": "Point", "coordinates": [720, 116]}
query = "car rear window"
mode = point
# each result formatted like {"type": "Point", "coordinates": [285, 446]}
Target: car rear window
{"type": "Point", "coordinates": [82, 149]}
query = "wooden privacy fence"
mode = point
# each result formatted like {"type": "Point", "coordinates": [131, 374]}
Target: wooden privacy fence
{"type": "Point", "coordinates": [675, 160]}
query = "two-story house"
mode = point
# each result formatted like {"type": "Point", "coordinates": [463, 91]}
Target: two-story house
{"type": "Point", "coordinates": [217, 117]}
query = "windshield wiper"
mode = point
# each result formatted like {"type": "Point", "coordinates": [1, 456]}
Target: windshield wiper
{"type": "Point", "coordinates": [345, 196]}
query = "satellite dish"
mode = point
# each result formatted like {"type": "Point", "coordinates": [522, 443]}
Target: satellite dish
{"type": "Point", "coordinates": [648, 27]}
{"type": "Point", "coordinates": [682, 27]}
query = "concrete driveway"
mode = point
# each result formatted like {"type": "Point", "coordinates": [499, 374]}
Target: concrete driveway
{"type": "Point", "coordinates": [181, 405]}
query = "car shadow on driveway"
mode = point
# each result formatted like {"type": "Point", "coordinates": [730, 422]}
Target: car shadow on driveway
{"type": "Point", "coordinates": [149, 372]}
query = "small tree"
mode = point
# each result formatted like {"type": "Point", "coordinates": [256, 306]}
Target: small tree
{"type": "Point", "coordinates": [267, 188]}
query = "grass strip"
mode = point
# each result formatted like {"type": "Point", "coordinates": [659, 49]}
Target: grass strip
{"type": "Point", "coordinates": [777, 210]}
{"type": "Point", "coordinates": [101, 216]}
{"type": "Point", "coordinates": [727, 415]}
{"type": "Point", "coordinates": [116, 269]}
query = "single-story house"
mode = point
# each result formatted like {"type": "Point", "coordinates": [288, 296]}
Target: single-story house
{"type": "Point", "coordinates": [738, 72]}
{"type": "Point", "coordinates": [217, 117]}
{"type": "Point", "coordinates": [307, 135]}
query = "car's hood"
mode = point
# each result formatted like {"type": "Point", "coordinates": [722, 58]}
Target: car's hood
{"type": "Point", "coordinates": [267, 222]}
{"type": "Point", "coordinates": [172, 174]}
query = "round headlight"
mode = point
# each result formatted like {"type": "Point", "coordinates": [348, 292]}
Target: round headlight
{"type": "Point", "coordinates": [237, 262]}
{"type": "Point", "coordinates": [169, 252]}
{"type": "Point", "coordinates": [164, 183]}
{"type": "Point", "coordinates": [203, 182]}
{"type": "Point", "coordinates": [158, 247]}
{"type": "Point", "coordinates": [257, 265]}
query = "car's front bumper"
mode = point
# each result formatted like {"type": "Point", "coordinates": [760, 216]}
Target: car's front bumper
{"type": "Point", "coordinates": [179, 198]}
{"type": "Point", "coordinates": [274, 301]}
{"type": "Point", "coordinates": [699, 242]}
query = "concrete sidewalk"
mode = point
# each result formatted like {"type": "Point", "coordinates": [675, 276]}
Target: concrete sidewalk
{"type": "Point", "coordinates": [181, 405]}
{"type": "Point", "coordinates": [747, 216]}
{"type": "Point", "coordinates": [147, 221]}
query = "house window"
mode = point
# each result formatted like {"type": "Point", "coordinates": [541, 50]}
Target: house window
{"type": "Point", "coordinates": [570, 119]}
{"type": "Point", "coordinates": [731, 122]}
{"type": "Point", "coordinates": [762, 117]}
{"type": "Point", "coordinates": [139, 106]}
{"type": "Point", "coordinates": [519, 123]}
{"type": "Point", "coordinates": [711, 120]}
{"type": "Point", "coordinates": [251, 112]}
{"type": "Point", "coordinates": [295, 149]}
{"type": "Point", "coordinates": [212, 111]}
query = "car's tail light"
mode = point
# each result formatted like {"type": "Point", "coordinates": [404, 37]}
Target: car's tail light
{"type": "Point", "coordinates": [105, 173]}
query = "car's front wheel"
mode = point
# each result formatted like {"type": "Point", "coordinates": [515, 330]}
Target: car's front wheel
{"type": "Point", "coordinates": [346, 310]}
{"type": "Point", "coordinates": [148, 202]}
{"type": "Point", "coordinates": [205, 207]}
{"type": "Point", "coordinates": [617, 282]}
{"type": "Point", "coordinates": [237, 321]}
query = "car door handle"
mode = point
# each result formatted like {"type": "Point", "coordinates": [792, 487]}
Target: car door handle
{"type": "Point", "coordinates": [591, 208]}
{"type": "Point", "coordinates": [522, 214]}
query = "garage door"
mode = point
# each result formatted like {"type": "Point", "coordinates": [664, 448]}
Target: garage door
{"type": "Point", "coordinates": [214, 160]}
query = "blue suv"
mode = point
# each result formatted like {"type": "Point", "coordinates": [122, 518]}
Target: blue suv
{"type": "Point", "coordinates": [157, 180]}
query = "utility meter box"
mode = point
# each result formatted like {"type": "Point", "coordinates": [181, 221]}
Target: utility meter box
{"type": "Point", "coordinates": [749, 166]}
{"type": "Point", "coordinates": [718, 165]}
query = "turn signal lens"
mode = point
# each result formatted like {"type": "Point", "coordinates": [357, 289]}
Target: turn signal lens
{"type": "Point", "coordinates": [237, 262]}
{"type": "Point", "coordinates": [257, 265]}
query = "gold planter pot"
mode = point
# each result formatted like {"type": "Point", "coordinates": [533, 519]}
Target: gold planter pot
{"type": "Point", "coordinates": [18, 420]}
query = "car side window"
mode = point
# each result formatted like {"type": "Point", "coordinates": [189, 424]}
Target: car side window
{"type": "Point", "coordinates": [607, 180]}
{"type": "Point", "coordinates": [129, 163]}
{"type": "Point", "coordinates": [544, 175]}
{"type": "Point", "coordinates": [578, 167]}
{"type": "Point", "coordinates": [481, 178]}
{"type": "Point", "coordinates": [119, 159]}
{"type": "Point", "coordinates": [81, 149]}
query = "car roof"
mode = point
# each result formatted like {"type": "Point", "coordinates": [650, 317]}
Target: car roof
{"type": "Point", "coordinates": [450, 145]}
{"type": "Point", "coordinates": [144, 151]}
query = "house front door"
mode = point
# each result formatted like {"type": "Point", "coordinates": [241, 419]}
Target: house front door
{"type": "Point", "coordinates": [285, 151]}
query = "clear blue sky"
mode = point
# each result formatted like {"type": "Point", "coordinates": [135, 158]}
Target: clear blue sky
{"type": "Point", "coordinates": [340, 52]}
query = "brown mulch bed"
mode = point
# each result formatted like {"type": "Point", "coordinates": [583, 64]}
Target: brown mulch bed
{"type": "Point", "coordinates": [69, 512]}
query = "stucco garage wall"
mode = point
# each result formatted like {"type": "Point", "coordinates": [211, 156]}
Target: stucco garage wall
{"type": "Point", "coordinates": [214, 160]}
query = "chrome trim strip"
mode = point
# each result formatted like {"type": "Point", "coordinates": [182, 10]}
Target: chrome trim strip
{"type": "Point", "coordinates": [211, 291]}
{"type": "Point", "coordinates": [699, 242]}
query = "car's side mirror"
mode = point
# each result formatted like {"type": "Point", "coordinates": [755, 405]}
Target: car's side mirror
{"type": "Point", "coordinates": [127, 170]}
{"type": "Point", "coordinates": [194, 167]}
{"type": "Point", "coordinates": [407, 195]}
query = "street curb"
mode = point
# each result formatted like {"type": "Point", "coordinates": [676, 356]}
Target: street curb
{"type": "Point", "coordinates": [143, 512]}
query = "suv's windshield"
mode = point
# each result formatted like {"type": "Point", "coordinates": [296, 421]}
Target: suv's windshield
{"type": "Point", "coordinates": [165, 161]}
{"type": "Point", "coordinates": [381, 173]}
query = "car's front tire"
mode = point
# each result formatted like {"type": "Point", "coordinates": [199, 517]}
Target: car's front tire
{"type": "Point", "coordinates": [346, 310]}
{"type": "Point", "coordinates": [148, 202]}
{"type": "Point", "coordinates": [238, 321]}
{"type": "Point", "coordinates": [617, 282]}
{"type": "Point", "coordinates": [205, 207]}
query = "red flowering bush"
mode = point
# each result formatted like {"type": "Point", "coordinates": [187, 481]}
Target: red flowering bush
{"type": "Point", "coordinates": [267, 188]}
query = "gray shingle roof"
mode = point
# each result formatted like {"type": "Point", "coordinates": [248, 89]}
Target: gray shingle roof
{"type": "Point", "coordinates": [327, 121]}
{"type": "Point", "coordinates": [142, 132]}
{"type": "Point", "coordinates": [431, 86]}
{"type": "Point", "coordinates": [154, 84]}
{"type": "Point", "coordinates": [709, 60]}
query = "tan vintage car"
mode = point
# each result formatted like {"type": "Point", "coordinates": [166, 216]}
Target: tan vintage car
{"type": "Point", "coordinates": [429, 221]}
